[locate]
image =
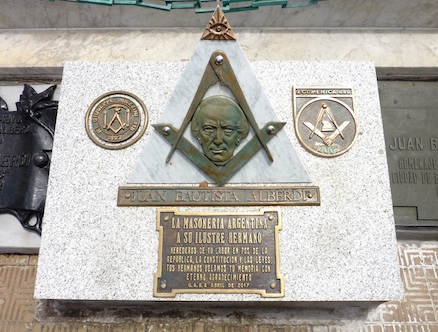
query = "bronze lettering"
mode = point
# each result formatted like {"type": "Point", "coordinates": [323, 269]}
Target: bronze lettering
{"type": "Point", "coordinates": [233, 196]}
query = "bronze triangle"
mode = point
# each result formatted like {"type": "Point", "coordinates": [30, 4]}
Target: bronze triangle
{"type": "Point", "coordinates": [218, 28]}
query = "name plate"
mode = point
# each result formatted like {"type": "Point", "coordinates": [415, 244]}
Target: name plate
{"type": "Point", "coordinates": [222, 196]}
{"type": "Point", "coordinates": [218, 253]}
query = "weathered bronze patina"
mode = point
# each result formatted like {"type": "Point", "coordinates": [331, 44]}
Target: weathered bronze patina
{"type": "Point", "coordinates": [218, 123]}
{"type": "Point", "coordinates": [218, 253]}
{"type": "Point", "coordinates": [218, 27]}
{"type": "Point", "coordinates": [116, 120]}
{"type": "Point", "coordinates": [220, 174]}
{"type": "Point", "coordinates": [222, 196]}
{"type": "Point", "coordinates": [325, 119]}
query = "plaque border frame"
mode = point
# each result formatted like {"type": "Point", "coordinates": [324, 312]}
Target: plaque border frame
{"type": "Point", "coordinates": [261, 292]}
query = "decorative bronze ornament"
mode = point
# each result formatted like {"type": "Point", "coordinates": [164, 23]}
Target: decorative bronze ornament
{"type": "Point", "coordinates": [218, 27]}
{"type": "Point", "coordinates": [26, 140]}
{"type": "Point", "coordinates": [218, 253]}
{"type": "Point", "coordinates": [325, 120]}
{"type": "Point", "coordinates": [116, 120]}
{"type": "Point", "coordinates": [219, 116]}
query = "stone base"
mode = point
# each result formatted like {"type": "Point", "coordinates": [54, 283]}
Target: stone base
{"type": "Point", "coordinates": [16, 239]}
{"type": "Point", "coordinates": [341, 251]}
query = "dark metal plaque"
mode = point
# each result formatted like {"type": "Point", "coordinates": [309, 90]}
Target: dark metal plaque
{"type": "Point", "coordinates": [410, 119]}
{"type": "Point", "coordinates": [223, 196]}
{"type": "Point", "coordinates": [325, 119]}
{"type": "Point", "coordinates": [218, 253]}
{"type": "Point", "coordinates": [26, 139]}
{"type": "Point", "coordinates": [116, 120]}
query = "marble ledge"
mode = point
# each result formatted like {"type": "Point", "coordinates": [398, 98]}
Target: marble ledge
{"type": "Point", "coordinates": [42, 53]}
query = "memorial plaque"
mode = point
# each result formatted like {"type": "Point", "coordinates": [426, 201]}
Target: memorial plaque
{"type": "Point", "coordinates": [410, 119]}
{"type": "Point", "coordinates": [218, 253]}
{"type": "Point", "coordinates": [218, 120]}
{"type": "Point", "coordinates": [26, 139]}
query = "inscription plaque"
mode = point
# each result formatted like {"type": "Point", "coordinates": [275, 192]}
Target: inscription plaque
{"type": "Point", "coordinates": [218, 253]}
{"type": "Point", "coordinates": [228, 196]}
{"type": "Point", "coordinates": [410, 119]}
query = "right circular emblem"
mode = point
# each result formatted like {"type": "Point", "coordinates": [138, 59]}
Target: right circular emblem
{"type": "Point", "coordinates": [326, 127]}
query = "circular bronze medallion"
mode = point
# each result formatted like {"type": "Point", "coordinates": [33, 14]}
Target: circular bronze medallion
{"type": "Point", "coordinates": [116, 120]}
{"type": "Point", "coordinates": [326, 127]}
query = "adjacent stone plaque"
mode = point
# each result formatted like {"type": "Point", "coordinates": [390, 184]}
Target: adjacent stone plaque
{"type": "Point", "coordinates": [218, 253]}
{"type": "Point", "coordinates": [410, 119]}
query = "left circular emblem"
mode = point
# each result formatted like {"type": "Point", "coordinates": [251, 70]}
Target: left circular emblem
{"type": "Point", "coordinates": [116, 120]}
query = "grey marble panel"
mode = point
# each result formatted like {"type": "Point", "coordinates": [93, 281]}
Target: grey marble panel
{"type": "Point", "coordinates": [286, 166]}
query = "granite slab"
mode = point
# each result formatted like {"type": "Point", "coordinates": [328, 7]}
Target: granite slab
{"type": "Point", "coordinates": [341, 251]}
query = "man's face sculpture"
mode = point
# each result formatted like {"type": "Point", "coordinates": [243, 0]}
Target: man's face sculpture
{"type": "Point", "coordinates": [219, 125]}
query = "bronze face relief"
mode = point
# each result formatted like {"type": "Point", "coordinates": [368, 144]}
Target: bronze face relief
{"type": "Point", "coordinates": [219, 125]}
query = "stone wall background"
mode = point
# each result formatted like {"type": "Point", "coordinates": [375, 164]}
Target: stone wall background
{"type": "Point", "coordinates": [38, 14]}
